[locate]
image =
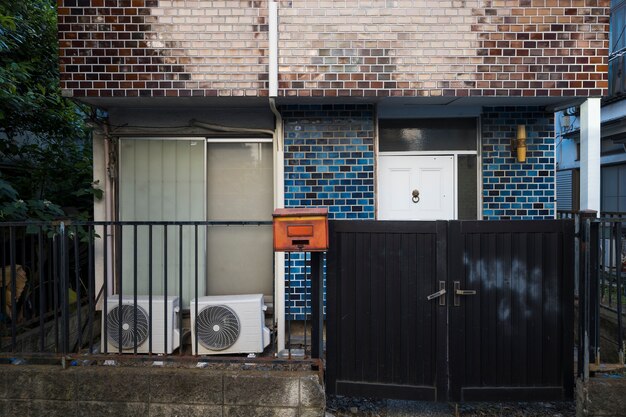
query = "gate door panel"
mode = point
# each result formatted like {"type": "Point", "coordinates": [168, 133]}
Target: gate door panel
{"type": "Point", "coordinates": [384, 336]}
{"type": "Point", "coordinates": [513, 338]}
{"type": "Point", "coordinates": [503, 329]}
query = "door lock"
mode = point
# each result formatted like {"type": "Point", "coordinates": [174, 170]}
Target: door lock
{"type": "Point", "coordinates": [415, 196]}
{"type": "Point", "coordinates": [458, 292]}
{"type": "Point", "coordinates": [439, 294]}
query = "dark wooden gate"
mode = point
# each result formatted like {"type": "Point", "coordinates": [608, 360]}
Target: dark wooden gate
{"type": "Point", "coordinates": [511, 339]}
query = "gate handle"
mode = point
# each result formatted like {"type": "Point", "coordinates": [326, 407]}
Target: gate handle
{"type": "Point", "coordinates": [439, 294]}
{"type": "Point", "coordinates": [458, 292]}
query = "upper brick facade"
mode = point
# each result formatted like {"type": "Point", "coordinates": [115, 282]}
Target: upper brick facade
{"type": "Point", "coordinates": [129, 48]}
{"type": "Point", "coordinates": [329, 48]}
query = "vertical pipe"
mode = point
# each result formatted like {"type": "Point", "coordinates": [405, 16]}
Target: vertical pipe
{"type": "Point", "coordinates": [13, 292]}
{"type": "Point", "coordinates": [594, 243]}
{"type": "Point", "coordinates": [618, 294]}
{"type": "Point", "coordinates": [273, 48]}
{"type": "Point", "coordinates": [195, 312]}
{"type": "Point", "coordinates": [135, 288]}
{"type": "Point", "coordinates": [279, 202]}
{"type": "Point", "coordinates": [584, 277]}
{"type": "Point", "coordinates": [307, 280]}
{"type": "Point", "coordinates": [602, 260]}
{"type": "Point", "coordinates": [165, 286]}
{"type": "Point", "coordinates": [90, 285]}
{"type": "Point", "coordinates": [289, 302]}
{"type": "Point", "coordinates": [317, 304]}
{"type": "Point", "coordinates": [33, 293]}
{"type": "Point", "coordinates": [180, 288]}
{"type": "Point", "coordinates": [119, 237]}
{"type": "Point", "coordinates": [79, 322]}
{"type": "Point", "coordinates": [612, 260]}
{"type": "Point", "coordinates": [42, 296]}
{"type": "Point", "coordinates": [594, 290]}
{"type": "Point", "coordinates": [3, 271]}
{"type": "Point", "coordinates": [149, 289]}
{"type": "Point", "coordinates": [105, 290]}
{"type": "Point", "coordinates": [585, 313]}
{"type": "Point", "coordinates": [55, 289]}
{"type": "Point", "coordinates": [65, 281]}
{"type": "Point", "coordinates": [101, 207]}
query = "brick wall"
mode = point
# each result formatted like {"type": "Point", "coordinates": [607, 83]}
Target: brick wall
{"type": "Point", "coordinates": [444, 48]}
{"type": "Point", "coordinates": [152, 48]}
{"type": "Point", "coordinates": [514, 190]}
{"type": "Point", "coordinates": [329, 162]}
{"type": "Point", "coordinates": [355, 48]}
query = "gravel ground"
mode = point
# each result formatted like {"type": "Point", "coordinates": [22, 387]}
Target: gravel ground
{"type": "Point", "coordinates": [337, 406]}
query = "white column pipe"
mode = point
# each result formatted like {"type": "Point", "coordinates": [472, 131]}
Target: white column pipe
{"type": "Point", "coordinates": [590, 155]}
{"type": "Point", "coordinates": [273, 48]}
{"type": "Point", "coordinates": [279, 202]}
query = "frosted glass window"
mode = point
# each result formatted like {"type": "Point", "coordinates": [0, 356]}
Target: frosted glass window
{"type": "Point", "coordinates": [467, 181]}
{"type": "Point", "coordinates": [613, 189]}
{"type": "Point", "coordinates": [400, 135]}
{"type": "Point", "coordinates": [162, 180]}
{"type": "Point", "coordinates": [239, 187]}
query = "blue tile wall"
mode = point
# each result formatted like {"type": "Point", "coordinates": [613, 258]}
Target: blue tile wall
{"type": "Point", "coordinates": [329, 162]}
{"type": "Point", "coordinates": [514, 190]}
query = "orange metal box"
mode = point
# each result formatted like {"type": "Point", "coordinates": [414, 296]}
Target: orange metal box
{"type": "Point", "coordinates": [301, 230]}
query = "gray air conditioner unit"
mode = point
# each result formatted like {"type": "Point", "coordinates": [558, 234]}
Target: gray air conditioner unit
{"type": "Point", "coordinates": [228, 324]}
{"type": "Point", "coordinates": [126, 324]}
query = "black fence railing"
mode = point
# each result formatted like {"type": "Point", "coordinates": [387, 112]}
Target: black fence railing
{"type": "Point", "coordinates": [46, 282]}
{"type": "Point", "coordinates": [601, 288]}
{"type": "Point", "coordinates": [113, 287]}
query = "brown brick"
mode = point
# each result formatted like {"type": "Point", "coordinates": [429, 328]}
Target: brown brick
{"type": "Point", "coordinates": [384, 54]}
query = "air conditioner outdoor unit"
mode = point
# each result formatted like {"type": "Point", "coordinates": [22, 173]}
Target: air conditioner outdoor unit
{"type": "Point", "coordinates": [229, 324]}
{"type": "Point", "coordinates": [123, 317]}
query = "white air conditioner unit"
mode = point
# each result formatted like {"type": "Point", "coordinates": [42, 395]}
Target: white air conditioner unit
{"type": "Point", "coordinates": [124, 318]}
{"type": "Point", "coordinates": [229, 324]}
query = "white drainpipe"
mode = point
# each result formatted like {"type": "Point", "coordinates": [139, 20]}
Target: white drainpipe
{"type": "Point", "coordinates": [279, 172]}
{"type": "Point", "coordinates": [273, 48]}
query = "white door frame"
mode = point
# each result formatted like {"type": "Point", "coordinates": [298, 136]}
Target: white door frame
{"type": "Point", "coordinates": [455, 155]}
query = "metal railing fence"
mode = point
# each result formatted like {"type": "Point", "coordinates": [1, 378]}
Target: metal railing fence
{"type": "Point", "coordinates": [601, 288]}
{"type": "Point", "coordinates": [57, 278]}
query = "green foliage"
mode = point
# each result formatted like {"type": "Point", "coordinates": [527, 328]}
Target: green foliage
{"type": "Point", "coordinates": [45, 150]}
{"type": "Point", "coordinates": [30, 96]}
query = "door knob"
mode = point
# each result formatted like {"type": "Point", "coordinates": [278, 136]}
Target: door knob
{"type": "Point", "coordinates": [439, 294]}
{"type": "Point", "coordinates": [416, 196]}
{"type": "Point", "coordinates": [458, 292]}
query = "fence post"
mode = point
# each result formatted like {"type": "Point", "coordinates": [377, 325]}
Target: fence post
{"type": "Point", "coordinates": [585, 261]}
{"type": "Point", "coordinates": [317, 305]}
{"type": "Point", "coordinates": [64, 288]}
{"type": "Point", "coordinates": [618, 294]}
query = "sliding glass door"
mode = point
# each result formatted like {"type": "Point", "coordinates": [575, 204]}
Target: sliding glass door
{"type": "Point", "coordinates": [193, 179]}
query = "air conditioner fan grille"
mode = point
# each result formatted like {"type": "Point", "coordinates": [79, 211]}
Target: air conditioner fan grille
{"type": "Point", "coordinates": [217, 327]}
{"type": "Point", "coordinates": [124, 318]}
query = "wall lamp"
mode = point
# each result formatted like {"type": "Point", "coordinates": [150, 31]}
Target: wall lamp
{"type": "Point", "coordinates": [518, 145]}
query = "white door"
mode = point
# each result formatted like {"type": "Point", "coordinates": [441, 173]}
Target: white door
{"type": "Point", "coordinates": [415, 187]}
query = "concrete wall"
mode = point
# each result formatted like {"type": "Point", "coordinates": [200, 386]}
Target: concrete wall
{"type": "Point", "coordinates": [602, 396]}
{"type": "Point", "coordinates": [147, 391]}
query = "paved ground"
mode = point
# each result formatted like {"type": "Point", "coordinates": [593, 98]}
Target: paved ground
{"type": "Point", "coordinates": [367, 407]}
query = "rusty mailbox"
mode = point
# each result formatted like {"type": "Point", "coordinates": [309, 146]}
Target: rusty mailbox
{"type": "Point", "coordinates": [301, 230]}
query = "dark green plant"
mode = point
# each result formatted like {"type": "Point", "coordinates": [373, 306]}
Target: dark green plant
{"type": "Point", "coordinates": [45, 146]}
